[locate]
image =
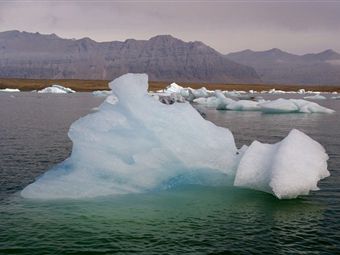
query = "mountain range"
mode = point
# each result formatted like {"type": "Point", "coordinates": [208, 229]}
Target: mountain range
{"type": "Point", "coordinates": [277, 66]}
{"type": "Point", "coordinates": [163, 57]}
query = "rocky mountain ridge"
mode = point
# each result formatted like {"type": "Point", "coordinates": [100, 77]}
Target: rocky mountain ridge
{"type": "Point", "coordinates": [163, 57]}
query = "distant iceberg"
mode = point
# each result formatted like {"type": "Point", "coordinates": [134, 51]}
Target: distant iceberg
{"type": "Point", "coordinates": [293, 105]}
{"type": "Point", "coordinates": [134, 143]}
{"type": "Point", "coordinates": [220, 102]}
{"type": "Point", "coordinates": [315, 97]}
{"type": "Point", "coordinates": [57, 89]}
{"type": "Point", "coordinates": [9, 90]}
{"type": "Point", "coordinates": [102, 93]}
{"type": "Point", "coordinates": [173, 88]}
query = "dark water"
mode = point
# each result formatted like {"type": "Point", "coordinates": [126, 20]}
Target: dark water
{"type": "Point", "coordinates": [187, 220]}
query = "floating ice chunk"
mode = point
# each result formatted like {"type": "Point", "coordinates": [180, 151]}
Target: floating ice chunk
{"type": "Point", "coordinates": [173, 88]}
{"type": "Point", "coordinates": [315, 97]}
{"type": "Point", "coordinates": [223, 101]}
{"type": "Point", "coordinates": [279, 106]}
{"type": "Point", "coordinates": [202, 92]}
{"type": "Point", "coordinates": [244, 105]}
{"type": "Point", "coordinates": [335, 97]}
{"type": "Point", "coordinates": [292, 105]}
{"type": "Point", "coordinates": [275, 91]}
{"type": "Point", "coordinates": [281, 170]}
{"type": "Point", "coordinates": [134, 143]}
{"type": "Point", "coordinates": [233, 93]}
{"type": "Point", "coordinates": [211, 102]}
{"type": "Point", "coordinates": [56, 89]}
{"type": "Point", "coordinates": [101, 93]}
{"type": "Point", "coordinates": [9, 90]}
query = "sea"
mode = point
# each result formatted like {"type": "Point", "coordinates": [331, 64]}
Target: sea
{"type": "Point", "coordinates": [189, 219]}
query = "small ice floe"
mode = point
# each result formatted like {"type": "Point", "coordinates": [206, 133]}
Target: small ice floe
{"type": "Point", "coordinates": [56, 89]}
{"type": "Point", "coordinates": [220, 102]}
{"type": "Point", "coordinates": [233, 93]}
{"type": "Point", "coordinates": [315, 97]}
{"type": "Point", "coordinates": [9, 90]}
{"type": "Point", "coordinates": [202, 92]}
{"type": "Point", "coordinates": [335, 97]}
{"type": "Point", "coordinates": [101, 93]}
{"type": "Point", "coordinates": [286, 169]}
{"type": "Point", "coordinates": [243, 105]}
{"type": "Point", "coordinates": [293, 105]}
{"type": "Point", "coordinates": [275, 91]}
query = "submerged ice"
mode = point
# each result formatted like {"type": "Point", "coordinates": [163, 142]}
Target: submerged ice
{"type": "Point", "coordinates": [133, 143]}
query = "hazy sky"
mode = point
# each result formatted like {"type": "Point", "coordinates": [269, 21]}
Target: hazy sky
{"type": "Point", "coordinates": [294, 26]}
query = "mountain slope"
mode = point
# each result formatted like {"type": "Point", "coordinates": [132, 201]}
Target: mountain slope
{"type": "Point", "coordinates": [276, 66]}
{"type": "Point", "coordinates": [33, 55]}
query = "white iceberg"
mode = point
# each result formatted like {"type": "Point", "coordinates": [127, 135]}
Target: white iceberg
{"type": "Point", "coordinates": [276, 91]}
{"type": "Point", "coordinates": [102, 93]}
{"type": "Point", "coordinates": [220, 102]}
{"type": "Point", "coordinates": [210, 102]}
{"type": "Point", "coordinates": [173, 88]}
{"type": "Point", "coordinates": [9, 90]}
{"type": "Point", "coordinates": [202, 92]}
{"type": "Point", "coordinates": [286, 169]}
{"type": "Point", "coordinates": [243, 105]}
{"type": "Point", "coordinates": [315, 97]}
{"type": "Point", "coordinates": [134, 143]}
{"type": "Point", "coordinates": [292, 105]}
{"type": "Point", "coordinates": [57, 89]}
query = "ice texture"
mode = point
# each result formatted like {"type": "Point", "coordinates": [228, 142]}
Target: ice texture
{"type": "Point", "coordinates": [134, 143]}
{"type": "Point", "coordinates": [57, 89]}
{"type": "Point", "coordinates": [286, 169]}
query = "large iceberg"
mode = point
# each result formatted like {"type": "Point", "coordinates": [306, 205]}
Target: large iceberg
{"type": "Point", "coordinates": [134, 143]}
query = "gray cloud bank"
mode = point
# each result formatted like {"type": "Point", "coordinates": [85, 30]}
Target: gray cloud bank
{"type": "Point", "coordinates": [295, 26]}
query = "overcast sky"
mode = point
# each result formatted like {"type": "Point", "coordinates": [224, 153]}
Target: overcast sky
{"type": "Point", "coordinates": [294, 26]}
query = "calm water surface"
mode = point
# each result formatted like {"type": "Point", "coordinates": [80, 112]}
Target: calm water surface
{"type": "Point", "coordinates": [187, 220]}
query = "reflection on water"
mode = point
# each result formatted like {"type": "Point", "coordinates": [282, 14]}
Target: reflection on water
{"type": "Point", "coordinates": [190, 219]}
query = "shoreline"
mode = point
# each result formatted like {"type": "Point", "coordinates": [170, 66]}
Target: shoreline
{"type": "Point", "coordinates": [92, 85]}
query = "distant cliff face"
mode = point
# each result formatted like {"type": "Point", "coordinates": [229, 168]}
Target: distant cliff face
{"type": "Point", "coordinates": [276, 66]}
{"type": "Point", "coordinates": [32, 55]}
